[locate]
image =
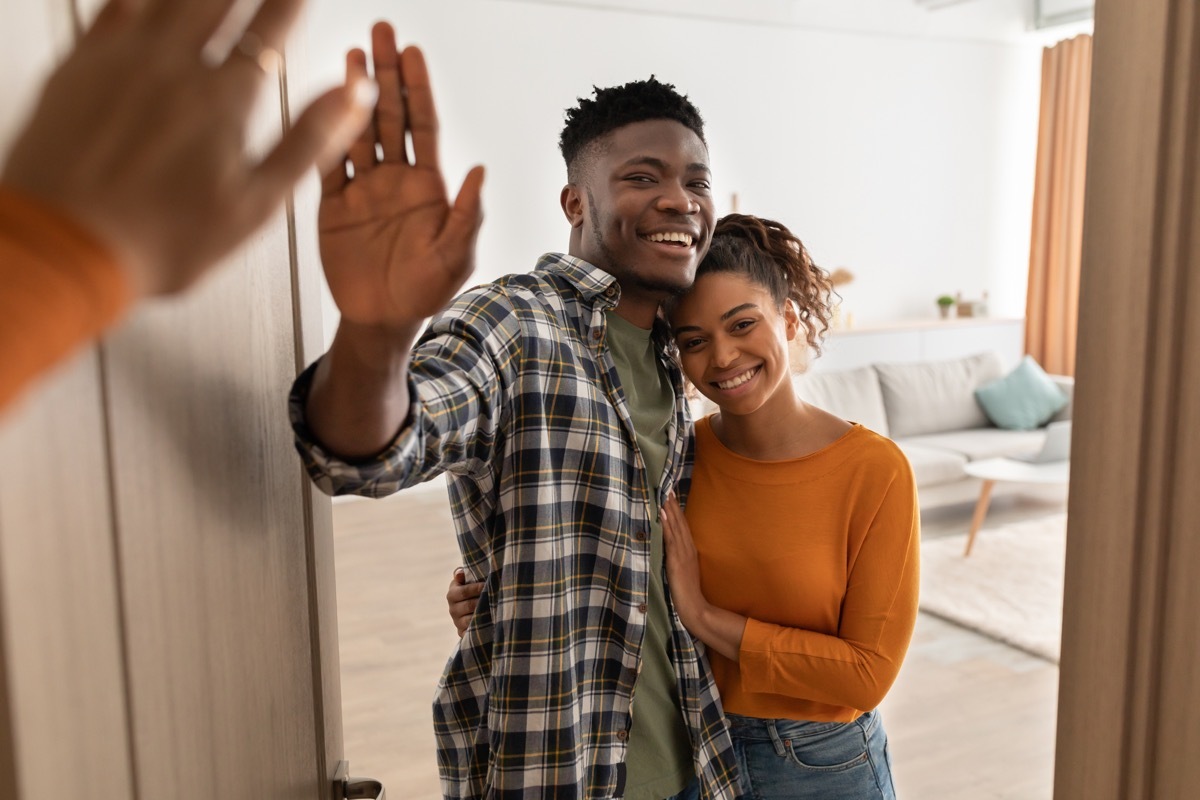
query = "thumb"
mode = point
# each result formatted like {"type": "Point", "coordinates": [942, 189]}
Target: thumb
{"type": "Point", "coordinates": [460, 576]}
{"type": "Point", "coordinates": [467, 214]}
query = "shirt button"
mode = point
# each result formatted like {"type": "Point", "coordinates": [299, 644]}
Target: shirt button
{"type": "Point", "coordinates": [622, 735]}
{"type": "Point", "coordinates": [611, 290]}
{"type": "Point", "coordinates": [597, 334]}
{"type": "Point", "coordinates": [641, 536]}
{"type": "Point", "coordinates": [642, 608]}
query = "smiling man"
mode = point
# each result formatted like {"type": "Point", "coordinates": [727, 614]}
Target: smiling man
{"type": "Point", "coordinates": [550, 401]}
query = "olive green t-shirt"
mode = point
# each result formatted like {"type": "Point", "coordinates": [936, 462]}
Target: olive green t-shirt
{"type": "Point", "coordinates": [659, 760]}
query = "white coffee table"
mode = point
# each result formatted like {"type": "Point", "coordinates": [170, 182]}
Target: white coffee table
{"type": "Point", "coordinates": [992, 470]}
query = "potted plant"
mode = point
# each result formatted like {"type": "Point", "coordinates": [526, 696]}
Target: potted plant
{"type": "Point", "coordinates": [945, 303]}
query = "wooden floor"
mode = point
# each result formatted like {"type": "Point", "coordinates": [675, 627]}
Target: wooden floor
{"type": "Point", "coordinates": [968, 719]}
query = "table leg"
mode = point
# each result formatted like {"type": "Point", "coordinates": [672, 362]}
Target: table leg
{"type": "Point", "coordinates": [981, 507]}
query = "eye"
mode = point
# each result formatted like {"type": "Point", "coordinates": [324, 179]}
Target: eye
{"type": "Point", "coordinates": [703, 186]}
{"type": "Point", "coordinates": [742, 324]}
{"type": "Point", "coordinates": [640, 178]}
{"type": "Point", "coordinates": [690, 343]}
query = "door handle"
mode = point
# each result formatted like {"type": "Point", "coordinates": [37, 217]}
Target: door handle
{"type": "Point", "coordinates": [362, 789]}
{"type": "Point", "coordinates": [347, 788]}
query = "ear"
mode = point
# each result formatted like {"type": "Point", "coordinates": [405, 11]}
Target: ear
{"type": "Point", "coordinates": [791, 318]}
{"type": "Point", "coordinates": [571, 200]}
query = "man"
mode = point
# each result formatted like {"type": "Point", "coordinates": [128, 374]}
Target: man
{"type": "Point", "coordinates": [550, 401]}
{"type": "Point", "coordinates": [123, 185]}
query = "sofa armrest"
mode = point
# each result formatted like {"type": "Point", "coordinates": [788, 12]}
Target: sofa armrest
{"type": "Point", "coordinates": [1066, 384]}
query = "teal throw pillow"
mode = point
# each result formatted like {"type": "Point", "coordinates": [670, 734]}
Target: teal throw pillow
{"type": "Point", "coordinates": [1022, 400]}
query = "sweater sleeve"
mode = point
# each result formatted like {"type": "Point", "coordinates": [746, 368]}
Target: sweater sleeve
{"type": "Point", "coordinates": [59, 288]}
{"type": "Point", "coordinates": [857, 667]}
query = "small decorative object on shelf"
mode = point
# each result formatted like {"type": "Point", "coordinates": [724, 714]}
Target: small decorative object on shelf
{"type": "Point", "coordinates": [945, 303]}
{"type": "Point", "coordinates": [971, 308]}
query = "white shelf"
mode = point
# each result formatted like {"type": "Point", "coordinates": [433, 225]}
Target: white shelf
{"type": "Point", "coordinates": [923, 324]}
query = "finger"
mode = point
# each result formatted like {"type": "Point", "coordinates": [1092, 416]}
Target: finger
{"type": "Point", "coordinates": [110, 17]}
{"type": "Point", "coordinates": [389, 112]}
{"type": "Point", "coordinates": [458, 593]}
{"type": "Point", "coordinates": [422, 114]}
{"type": "Point", "coordinates": [668, 514]}
{"type": "Point", "coordinates": [320, 136]}
{"type": "Point", "coordinates": [258, 51]}
{"type": "Point", "coordinates": [465, 218]}
{"type": "Point", "coordinates": [332, 164]}
{"type": "Point", "coordinates": [273, 21]}
{"type": "Point", "coordinates": [464, 608]}
{"type": "Point", "coordinates": [333, 177]}
{"type": "Point", "coordinates": [460, 576]}
{"type": "Point", "coordinates": [362, 149]}
{"type": "Point", "coordinates": [190, 23]}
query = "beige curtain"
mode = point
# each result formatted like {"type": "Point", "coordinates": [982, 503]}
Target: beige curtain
{"type": "Point", "coordinates": [1052, 304]}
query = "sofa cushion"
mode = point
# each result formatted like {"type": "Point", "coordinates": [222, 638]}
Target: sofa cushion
{"type": "Point", "coordinates": [851, 394]}
{"type": "Point", "coordinates": [936, 396]}
{"type": "Point", "coordinates": [981, 442]}
{"type": "Point", "coordinates": [1022, 400]}
{"type": "Point", "coordinates": [932, 466]}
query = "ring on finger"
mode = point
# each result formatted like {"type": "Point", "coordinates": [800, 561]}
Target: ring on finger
{"type": "Point", "coordinates": [264, 56]}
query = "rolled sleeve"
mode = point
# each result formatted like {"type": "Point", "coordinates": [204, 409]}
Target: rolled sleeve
{"type": "Point", "coordinates": [460, 370]}
{"type": "Point", "coordinates": [378, 476]}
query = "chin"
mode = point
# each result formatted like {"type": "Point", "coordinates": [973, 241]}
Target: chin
{"type": "Point", "coordinates": [666, 284]}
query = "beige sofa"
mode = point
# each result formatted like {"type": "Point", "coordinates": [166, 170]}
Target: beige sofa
{"type": "Point", "coordinates": [929, 409]}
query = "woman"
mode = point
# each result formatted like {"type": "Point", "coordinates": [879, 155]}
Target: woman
{"type": "Point", "coordinates": [797, 560]}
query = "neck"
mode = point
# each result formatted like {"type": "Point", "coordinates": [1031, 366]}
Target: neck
{"type": "Point", "coordinates": [775, 431]}
{"type": "Point", "coordinates": [637, 310]}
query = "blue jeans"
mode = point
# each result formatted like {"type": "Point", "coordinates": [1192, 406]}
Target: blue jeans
{"type": "Point", "coordinates": [783, 759]}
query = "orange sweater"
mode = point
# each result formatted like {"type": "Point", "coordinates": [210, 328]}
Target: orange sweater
{"type": "Point", "coordinates": [821, 554]}
{"type": "Point", "coordinates": [59, 288]}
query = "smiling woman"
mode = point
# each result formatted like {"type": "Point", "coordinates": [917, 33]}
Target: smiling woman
{"type": "Point", "coordinates": [807, 624]}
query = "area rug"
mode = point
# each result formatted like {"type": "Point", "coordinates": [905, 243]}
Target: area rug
{"type": "Point", "coordinates": [1010, 588]}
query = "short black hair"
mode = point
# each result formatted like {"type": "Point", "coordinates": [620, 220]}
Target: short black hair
{"type": "Point", "coordinates": [618, 106]}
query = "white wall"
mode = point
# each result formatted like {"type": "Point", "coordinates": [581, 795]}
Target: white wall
{"type": "Point", "coordinates": [906, 157]}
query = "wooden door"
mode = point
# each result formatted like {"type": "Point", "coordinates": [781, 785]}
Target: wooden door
{"type": "Point", "coordinates": [166, 579]}
{"type": "Point", "coordinates": [1130, 678]}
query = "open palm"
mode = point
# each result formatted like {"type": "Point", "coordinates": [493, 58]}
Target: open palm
{"type": "Point", "coordinates": [394, 248]}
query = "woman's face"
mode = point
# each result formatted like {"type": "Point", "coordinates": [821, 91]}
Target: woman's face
{"type": "Point", "coordinates": [733, 341]}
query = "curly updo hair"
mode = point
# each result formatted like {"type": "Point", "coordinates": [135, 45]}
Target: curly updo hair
{"type": "Point", "coordinates": [617, 106]}
{"type": "Point", "coordinates": [770, 255]}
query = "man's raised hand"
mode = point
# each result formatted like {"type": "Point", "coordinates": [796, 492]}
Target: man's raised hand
{"type": "Point", "coordinates": [394, 248]}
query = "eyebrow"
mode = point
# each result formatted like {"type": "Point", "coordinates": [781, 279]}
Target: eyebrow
{"type": "Point", "coordinates": [724, 317]}
{"type": "Point", "coordinates": [662, 165]}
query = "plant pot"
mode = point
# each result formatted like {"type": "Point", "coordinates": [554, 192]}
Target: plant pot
{"type": "Point", "coordinates": [944, 311]}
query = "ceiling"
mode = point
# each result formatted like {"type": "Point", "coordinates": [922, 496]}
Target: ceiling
{"type": "Point", "coordinates": [989, 20]}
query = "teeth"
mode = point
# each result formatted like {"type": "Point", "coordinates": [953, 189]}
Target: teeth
{"type": "Point", "coordinates": [733, 383]}
{"type": "Point", "coordinates": [685, 238]}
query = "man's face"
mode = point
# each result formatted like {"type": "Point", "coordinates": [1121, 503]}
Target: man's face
{"type": "Point", "coordinates": [645, 208]}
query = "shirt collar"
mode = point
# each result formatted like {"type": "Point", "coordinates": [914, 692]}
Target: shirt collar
{"type": "Point", "coordinates": [600, 288]}
{"type": "Point", "coordinates": [592, 283]}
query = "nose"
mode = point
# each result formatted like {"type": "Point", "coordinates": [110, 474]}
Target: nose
{"type": "Point", "coordinates": [676, 198]}
{"type": "Point", "coordinates": [725, 353]}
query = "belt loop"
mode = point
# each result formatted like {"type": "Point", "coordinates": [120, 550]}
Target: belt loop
{"type": "Point", "coordinates": [775, 740]}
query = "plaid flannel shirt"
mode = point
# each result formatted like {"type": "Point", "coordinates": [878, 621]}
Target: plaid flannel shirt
{"type": "Point", "coordinates": [517, 398]}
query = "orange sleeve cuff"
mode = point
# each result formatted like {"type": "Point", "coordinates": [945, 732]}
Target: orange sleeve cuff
{"type": "Point", "coordinates": [59, 288]}
{"type": "Point", "coordinates": [754, 658]}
